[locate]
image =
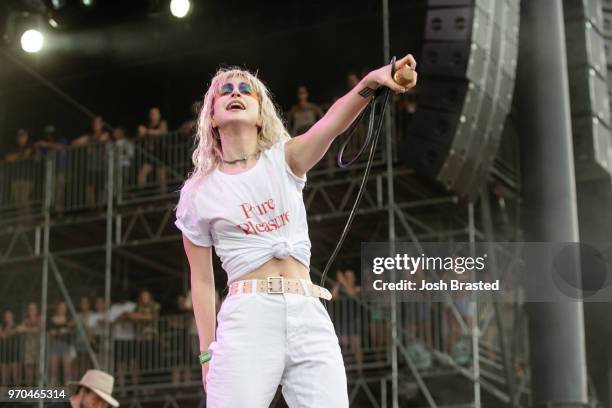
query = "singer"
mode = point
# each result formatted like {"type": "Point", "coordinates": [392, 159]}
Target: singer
{"type": "Point", "coordinates": [244, 197]}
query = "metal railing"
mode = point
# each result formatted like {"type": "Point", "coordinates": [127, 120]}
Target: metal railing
{"type": "Point", "coordinates": [144, 170]}
{"type": "Point", "coordinates": [80, 177]}
{"type": "Point", "coordinates": [152, 168]}
{"type": "Point", "coordinates": [153, 358]}
{"type": "Point", "coordinates": [363, 326]}
{"type": "Point", "coordinates": [22, 187]}
{"type": "Point", "coordinates": [163, 350]}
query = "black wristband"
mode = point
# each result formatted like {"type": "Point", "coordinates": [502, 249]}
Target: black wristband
{"type": "Point", "coordinates": [367, 92]}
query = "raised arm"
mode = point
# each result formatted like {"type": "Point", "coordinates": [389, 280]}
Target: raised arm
{"type": "Point", "coordinates": [81, 140]}
{"type": "Point", "coordinates": [202, 295]}
{"type": "Point", "coordinates": [11, 157]}
{"type": "Point", "coordinates": [304, 151]}
{"type": "Point", "coordinates": [48, 145]}
{"type": "Point", "coordinates": [335, 290]}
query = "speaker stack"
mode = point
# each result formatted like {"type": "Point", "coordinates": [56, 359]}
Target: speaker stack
{"type": "Point", "coordinates": [588, 37]}
{"type": "Point", "coordinates": [466, 82]}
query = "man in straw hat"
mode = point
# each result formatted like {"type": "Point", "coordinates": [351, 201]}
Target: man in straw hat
{"type": "Point", "coordinates": [93, 391]}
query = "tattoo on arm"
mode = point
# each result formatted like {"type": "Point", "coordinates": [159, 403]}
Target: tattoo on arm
{"type": "Point", "coordinates": [366, 92]}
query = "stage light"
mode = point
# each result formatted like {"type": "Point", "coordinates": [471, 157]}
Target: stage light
{"type": "Point", "coordinates": [53, 23]}
{"type": "Point", "coordinates": [179, 8]}
{"type": "Point", "coordinates": [58, 4]}
{"type": "Point", "coordinates": [88, 3]}
{"type": "Point", "coordinates": [32, 41]}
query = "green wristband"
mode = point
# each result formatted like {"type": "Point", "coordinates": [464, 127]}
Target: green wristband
{"type": "Point", "coordinates": [204, 357]}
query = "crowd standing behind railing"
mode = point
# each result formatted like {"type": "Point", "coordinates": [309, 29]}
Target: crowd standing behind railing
{"type": "Point", "coordinates": [149, 342]}
{"type": "Point", "coordinates": [142, 340]}
{"type": "Point", "coordinates": [152, 163]}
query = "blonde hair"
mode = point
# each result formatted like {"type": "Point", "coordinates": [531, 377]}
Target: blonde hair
{"type": "Point", "coordinates": [207, 155]}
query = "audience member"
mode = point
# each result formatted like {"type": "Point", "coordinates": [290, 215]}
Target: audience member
{"type": "Point", "coordinates": [189, 127]}
{"type": "Point", "coordinates": [405, 109]}
{"type": "Point", "coordinates": [124, 347]}
{"type": "Point", "coordinates": [145, 318]}
{"type": "Point", "coordinates": [303, 114]}
{"type": "Point", "coordinates": [21, 174]}
{"type": "Point", "coordinates": [125, 154]}
{"type": "Point", "coordinates": [96, 322]}
{"type": "Point", "coordinates": [50, 145]}
{"type": "Point", "coordinates": [357, 136]}
{"type": "Point", "coordinates": [152, 151]}
{"type": "Point", "coordinates": [94, 390]}
{"type": "Point", "coordinates": [22, 150]}
{"type": "Point", "coordinates": [95, 156]}
{"type": "Point", "coordinates": [30, 327]}
{"type": "Point", "coordinates": [10, 347]}
{"type": "Point", "coordinates": [60, 349]}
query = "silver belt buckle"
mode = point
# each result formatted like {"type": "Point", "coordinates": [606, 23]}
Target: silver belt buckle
{"type": "Point", "coordinates": [280, 279]}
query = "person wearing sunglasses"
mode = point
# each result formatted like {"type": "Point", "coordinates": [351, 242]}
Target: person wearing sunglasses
{"type": "Point", "coordinates": [244, 197]}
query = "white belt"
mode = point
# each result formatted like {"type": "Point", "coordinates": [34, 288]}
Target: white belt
{"type": "Point", "coordinates": [279, 285]}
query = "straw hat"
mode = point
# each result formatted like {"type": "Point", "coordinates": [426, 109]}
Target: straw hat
{"type": "Point", "coordinates": [99, 382]}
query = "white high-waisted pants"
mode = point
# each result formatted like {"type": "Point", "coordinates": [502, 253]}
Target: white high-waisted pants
{"type": "Point", "coordinates": [264, 340]}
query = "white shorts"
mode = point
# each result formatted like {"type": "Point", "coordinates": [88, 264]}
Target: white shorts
{"type": "Point", "coordinates": [264, 340]}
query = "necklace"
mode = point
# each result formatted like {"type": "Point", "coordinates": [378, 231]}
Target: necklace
{"type": "Point", "coordinates": [245, 158]}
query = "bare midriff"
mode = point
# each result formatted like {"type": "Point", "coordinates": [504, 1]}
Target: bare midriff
{"type": "Point", "coordinates": [287, 268]}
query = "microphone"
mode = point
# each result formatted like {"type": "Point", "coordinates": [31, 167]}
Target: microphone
{"type": "Point", "coordinates": [404, 75]}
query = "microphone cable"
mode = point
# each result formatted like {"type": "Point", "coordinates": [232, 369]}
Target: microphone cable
{"type": "Point", "coordinates": [379, 103]}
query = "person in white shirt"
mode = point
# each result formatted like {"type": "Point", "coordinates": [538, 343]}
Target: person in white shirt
{"type": "Point", "coordinates": [244, 197]}
{"type": "Point", "coordinates": [124, 339]}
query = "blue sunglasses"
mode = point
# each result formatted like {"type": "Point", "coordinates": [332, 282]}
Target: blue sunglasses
{"type": "Point", "coordinates": [243, 87]}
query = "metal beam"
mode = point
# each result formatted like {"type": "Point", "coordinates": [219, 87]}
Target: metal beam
{"type": "Point", "coordinates": [490, 237]}
{"type": "Point", "coordinates": [390, 211]}
{"type": "Point", "coordinates": [474, 328]}
{"type": "Point", "coordinates": [108, 255]}
{"type": "Point", "coordinates": [42, 356]}
{"type": "Point", "coordinates": [151, 264]}
{"type": "Point", "coordinates": [79, 322]}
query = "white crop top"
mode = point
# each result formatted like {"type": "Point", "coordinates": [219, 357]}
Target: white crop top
{"type": "Point", "coordinates": [250, 217]}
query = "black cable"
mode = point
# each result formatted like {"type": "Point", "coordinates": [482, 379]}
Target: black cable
{"type": "Point", "coordinates": [381, 101]}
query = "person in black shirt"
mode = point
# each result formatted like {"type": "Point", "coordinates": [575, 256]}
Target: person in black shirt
{"type": "Point", "coordinates": [153, 149]}
{"type": "Point", "coordinates": [60, 344]}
